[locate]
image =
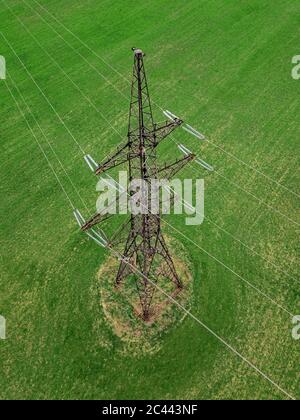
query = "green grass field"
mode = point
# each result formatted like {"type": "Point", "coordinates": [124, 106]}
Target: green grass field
{"type": "Point", "coordinates": [223, 66]}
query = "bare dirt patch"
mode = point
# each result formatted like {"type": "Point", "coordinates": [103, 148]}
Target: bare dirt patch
{"type": "Point", "coordinates": [121, 305]}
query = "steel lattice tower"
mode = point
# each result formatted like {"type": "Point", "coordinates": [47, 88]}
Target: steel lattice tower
{"type": "Point", "coordinates": [145, 246]}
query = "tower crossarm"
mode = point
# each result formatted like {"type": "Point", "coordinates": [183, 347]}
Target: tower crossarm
{"type": "Point", "coordinates": [108, 212]}
{"type": "Point", "coordinates": [95, 220]}
{"type": "Point", "coordinates": [168, 171]}
{"type": "Point", "coordinates": [118, 158]}
{"type": "Point", "coordinates": [162, 131]}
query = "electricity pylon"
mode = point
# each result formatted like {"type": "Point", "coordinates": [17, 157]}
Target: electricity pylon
{"type": "Point", "coordinates": [145, 249]}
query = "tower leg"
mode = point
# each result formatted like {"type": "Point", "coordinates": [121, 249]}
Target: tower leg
{"type": "Point", "coordinates": [144, 264]}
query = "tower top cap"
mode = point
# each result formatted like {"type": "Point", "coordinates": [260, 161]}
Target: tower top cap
{"type": "Point", "coordinates": [137, 51]}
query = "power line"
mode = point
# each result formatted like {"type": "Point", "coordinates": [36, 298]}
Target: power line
{"type": "Point", "coordinates": [188, 312]}
{"type": "Point", "coordinates": [211, 256]}
{"type": "Point", "coordinates": [43, 94]}
{"type": "Point", "coordinates": [42, 150]}
{"type": "Point", "coordinates": [97, 110]}
{"type": "Point", "coordinates": [72, 48]}
{"type": "Point", "coordinates": [114, 87]}
{"type": "Point", "coordinates": [49, 144]}
{"type": "Point", "coordinates": [127, 81]}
